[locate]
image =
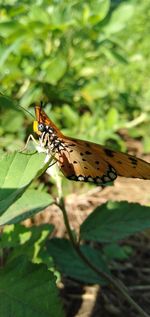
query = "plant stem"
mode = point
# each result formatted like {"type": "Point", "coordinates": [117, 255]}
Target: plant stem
{"type": "Point", "coordinates": [118, 285]}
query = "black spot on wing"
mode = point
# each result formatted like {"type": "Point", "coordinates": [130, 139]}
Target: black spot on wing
{"type": "Point", "coordinates": [119, 162]}
{"type": "Point", "coordinates": [87, 144]}
{"type": "Point", "coordinates": [88, 153]}
{"type": "Point", "coordinates": [133, 161]}
{"type": "Point", "coordinates": [109, 153]}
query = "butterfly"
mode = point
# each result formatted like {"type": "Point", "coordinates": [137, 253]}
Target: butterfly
{"type": "Point", "coordinates": [83, 160]}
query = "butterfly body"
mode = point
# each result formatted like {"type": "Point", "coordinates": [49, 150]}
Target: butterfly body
{"type": "Point", "coordinates": [83, 160]}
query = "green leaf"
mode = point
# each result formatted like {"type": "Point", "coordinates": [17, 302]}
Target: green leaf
{"type": "Point", "coordinates": [6, 102]}
{"type": "Point", "coordinates": [119, 18]}
{"type": "Point", "coordinates": [28, 290]}
{"type": "Point", "coordinates": [30, 203]}
{"type": "Point", "coordinates": [112, 118]}
{"type": "Point", "coordinates": [70, 264]}
{"type": "Point", "coordinates": [12, 121]}
{"type": "Point", "coordinates": [54, 69]}
{"type": "Point", "coordinates": [98, 10]}
{"type": "Point", "coordinates": [32, 93]}
{"type": "Point", "coordinates": [117, 252]}
{"type": "Point", "coordinates": [115, 221]}
{"type": "Point", "coordinates": [146, 144]}
{"type": "Point", "coordinates": [15, 45]}
{"type": "Point", "coordinates": [8, 27]}
{"type": "Point", "coordinates": [18, 235]}
{"type": "Point", "coordinates": [17, 171]}
{"type": "Point", "coordinates": [26, 241]}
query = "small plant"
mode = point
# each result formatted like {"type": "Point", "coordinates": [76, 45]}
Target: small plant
{"type": "Point", "coordinates": [27, 253]}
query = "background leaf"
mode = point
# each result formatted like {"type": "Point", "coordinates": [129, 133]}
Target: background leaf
{"type": "Point", "coordinates": [114, 221]}
{"type": "Point", "coordinates": [120, 18]}
{"type": "Point", "coordinates": [69, 263]}
{"type": "Point", "coordinates": [54, 69]}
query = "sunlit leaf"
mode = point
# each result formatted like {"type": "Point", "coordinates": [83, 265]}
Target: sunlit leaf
{"type": "Point", "coordinates": [17, 171]}
{"type": "Point", "coordinates": [54, 69]}
{"type": "Point", "coordinates": [30, 203]}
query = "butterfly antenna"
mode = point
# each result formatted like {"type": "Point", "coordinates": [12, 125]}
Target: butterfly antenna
{"type": "Point", "coordinates": [26, 111]}
{"type": "Point", "coordinates": [42, 104]}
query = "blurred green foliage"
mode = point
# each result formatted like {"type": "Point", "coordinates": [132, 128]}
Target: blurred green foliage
{"type": "Point", "coordinates": [87, 60]}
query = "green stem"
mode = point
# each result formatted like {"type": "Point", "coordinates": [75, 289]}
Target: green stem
{"type": "Point", "coordinates": [118, 285]}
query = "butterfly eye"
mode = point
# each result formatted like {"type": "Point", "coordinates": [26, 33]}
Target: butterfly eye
{"type": "Point", "coordinates": [41, 127]}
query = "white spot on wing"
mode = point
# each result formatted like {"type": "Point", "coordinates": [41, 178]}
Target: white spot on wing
{"type": "Point", "coordinates": [112, 175]}
{"type": "Point", "coordinates": [80, 178]}
{"type": "Point", "coordinates": [98, 180]}
{"type": "Point", "coordinates": [106, 179]}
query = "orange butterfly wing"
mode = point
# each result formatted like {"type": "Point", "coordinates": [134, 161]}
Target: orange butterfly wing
{"type": "Point", "coordinates": [79, 162]}
{"type": "Point", "coordinates": [86, 161]}
{"type": "Point", "coordinates": [92, 160]}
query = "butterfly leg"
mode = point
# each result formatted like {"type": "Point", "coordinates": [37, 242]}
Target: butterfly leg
{"type": "Point", "coordinates": [30, 137]}
{"type": "Point", "coordinates": [53, 163]}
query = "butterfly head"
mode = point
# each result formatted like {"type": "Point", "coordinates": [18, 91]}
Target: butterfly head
{"type": "Point", "coordinates": [50, 136]}
{"type": "Point", "coordinates": [44, 124]}
{"type": "Point", "coordinates": [39, 128]}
